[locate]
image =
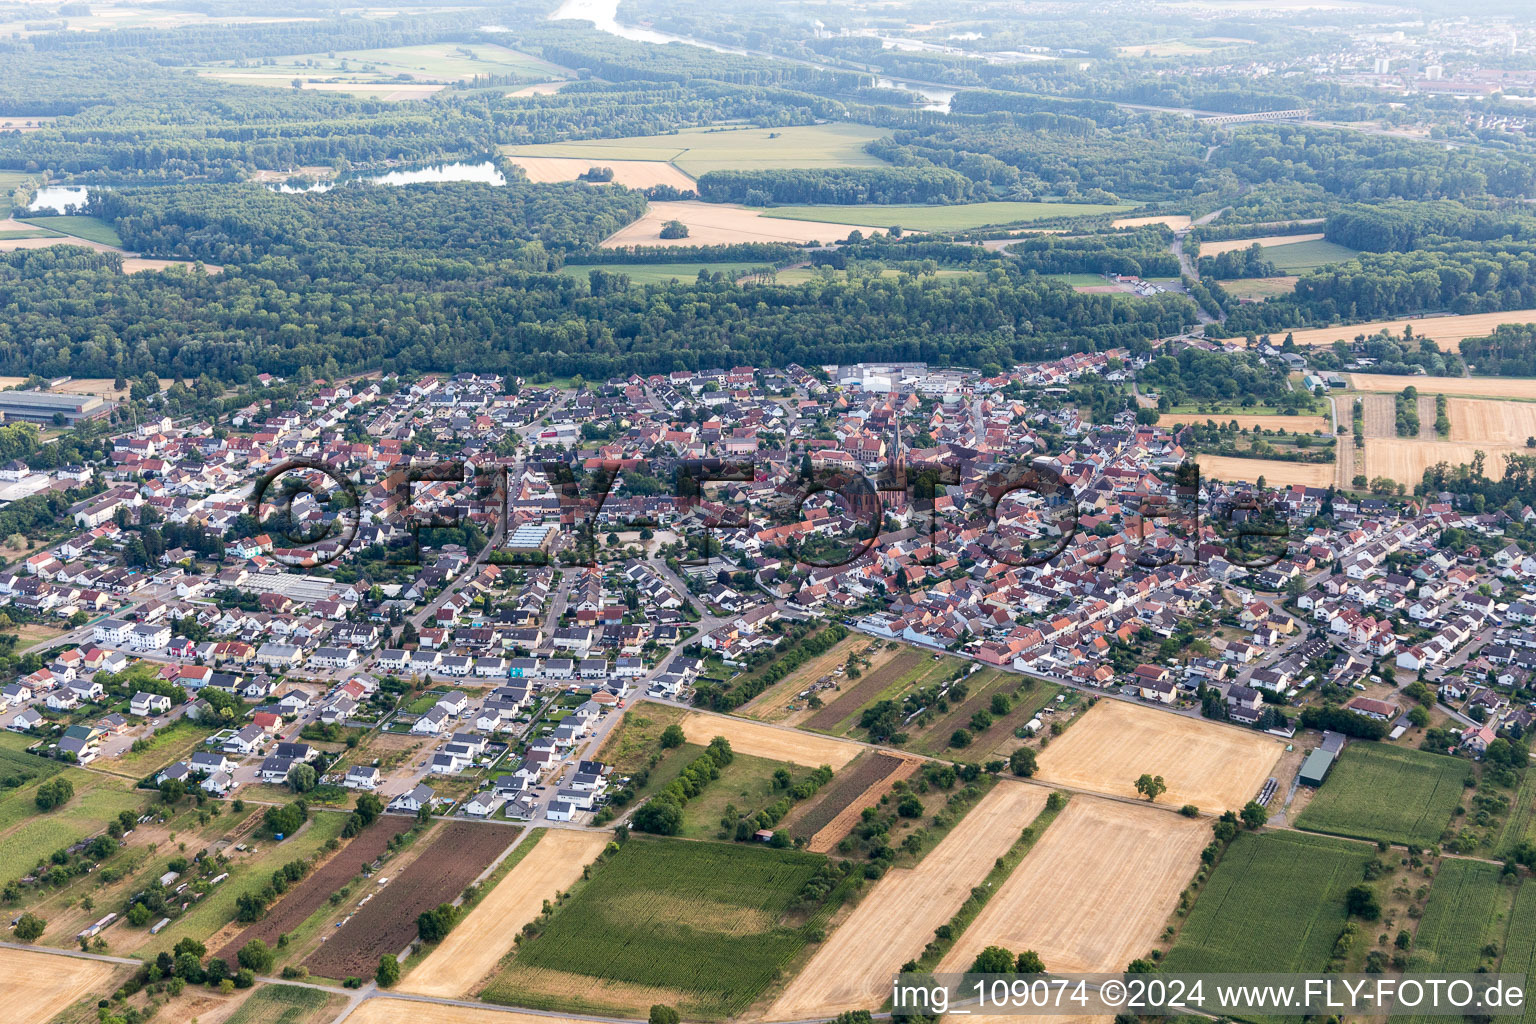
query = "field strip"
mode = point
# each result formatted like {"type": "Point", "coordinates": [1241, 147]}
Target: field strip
{"type": "Point", "coordinates": [1274, 471]}
{"type": "Point", "coordinates": [1234, 244]}
{"type": "Point", "coordinates": [722, 224]}
{"type": "Point", "coordinates": [474, 947]}
{"type": "Point", "coordinates": [630, 173]}
{"type": "Point", "coordinates": [393, 1010]}
{"type": "Point", "coordinates": [40, 985]}
{"type": "Point", "coordinates": [1484, 422]}
{"type": "Point", "coordinates": [1289, 424]}
{"type": "Point", "coordinates": [761, 740]}
{"type": "Point", "coordinates": [852, 969]}
{"type": "Point", "coordinates": [1095, 891]}
{"type": "Point", "coordinates": [1176, 221]}
{"type": "Point", "coordinates": [1215, 767]}
{"type": "Point", "coordinates": [1471, 387]}
{"type": "Point", "coordinates": [1405, 460]}
{"type": "Point", "coordinates": [1446, 330]}
{"type": "Point", "coordinates": [834, 831]}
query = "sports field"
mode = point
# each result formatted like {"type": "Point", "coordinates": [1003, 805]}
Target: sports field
{"type": "Point", "coordinates": [473, 948]}
{"type": "Point", "coordinates": [705, 927]}
{"type": "Point", "coordinates": [852, 969]}
{"type": "Point", "coordinates": [922, 217]}
{"type": "Point", "coordinates": [1274, 903]}
{"type": "Point", "coordinates": [1211, 766]}
{"type": "Point", "coordinates": [1392, 793]}
{"type": "Point", "coordinates": [1448, 331]}
{"type": "Point", "coordinates": [1405, 460]}
{"type": "Point", "coordinates": [759, 740]}
{"type": "Point", "coordinates": [721, 224]}
{"type": "Point", "coordinates": [1095, 891]}
{"type": "Point", "coordinates": [697, 150]}
{"type": "Point", "coordinates": [38, 985]}
{"type": "Point", "coordinates": [1274, 472]}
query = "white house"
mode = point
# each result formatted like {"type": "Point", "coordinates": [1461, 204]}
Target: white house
{"type": "Point", "coordinates": [145, 704]}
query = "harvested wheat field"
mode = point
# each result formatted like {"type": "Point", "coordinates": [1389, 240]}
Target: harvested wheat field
{"type": "Point", "coordinates": [1234, 244]}
{"type": "Point", "coordinates": [1176, 221]}
{"type": "Point", "coordinates": [852, 969]}
{"type": "Point", "coordinates": [1214, 767]}
{"type": "Point", "coordinates": [39, 985]}
{"type": "Point", "coordinates": [1378, 414]}
{"type": "Point", "coordinates": [1095, 891]}
{"type": "Point", "coordinates": [473, 949]}
{"type": "Point", "coordinates": [1472, 387]}
{"type": "Point", "coordinates": [1448, 331]}
{"type": "Point", "coordinates": [1274, 472]}
{"type": "Point", "coordinates": [723, 224]}
{"type": "Point", "coordinates": [1405, 460]}
{"type": "Point", "coordinates": [768, 741]}
{"type": "Point", "coordinates": [383, 1010]}
{"type": "Point", "coordinates": [633, 173]}
{"type": "Point", "coordinates": [834, 831]}
{"type": "Point", "coordinates": [1289, 424]}
{"type": "Point", "coordinates": [1488, 422]}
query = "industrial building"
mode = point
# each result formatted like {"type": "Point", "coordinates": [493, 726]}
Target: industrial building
{"type": "Point", "coordinates": [43, 406]}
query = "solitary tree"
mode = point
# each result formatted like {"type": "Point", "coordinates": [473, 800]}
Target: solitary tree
{"type": "Point", "coordinates": [388, 972]}
{"type": "Point", "coordinates": [993, 960]}
{"type": "Point", "coordinates": [256, 956]}
{"type": "Point", "coordinates": [1151, 786]}
{"type": "Point", "coordinates": [672, 736]}
{"type": "Point", "coordinates": [1254, 814]}
{"type": "Point", "coordinates": [663, 1014]}
{"type": "Point", "coordinates": [29, 927]}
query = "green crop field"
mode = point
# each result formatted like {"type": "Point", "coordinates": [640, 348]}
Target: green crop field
{"type": "Point", "coordinates": [960, 217]}
{"type": "Point", "coordinates": [1467, 909]}
{"type": "Point", "coordinates": [92, 229]}
{"type": "Point", "coordinates": [285, 1004]}
{"type": "Point", "coordinates": [1274, 903]}
{"type": "Point", "coordinates": [1296, 257]}
{"type": "Point", "coordinates": [697, 150]}
{"type": "Point", "coordinates": [1379, 792]}
{"type": "Point", "coordinates": [28, 835]}
{"type": "Point", "coordinates": [660, 273]}
{"type": "Point", "coordinates": [435, 61]}
{"type": "Point", "coordinates": [1520, 944]}
{"type": "Point", "coordinates": [709, 924]}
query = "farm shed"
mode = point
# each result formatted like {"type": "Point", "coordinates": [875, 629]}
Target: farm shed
{"type": "Point", "coordinates": [1315, 768]}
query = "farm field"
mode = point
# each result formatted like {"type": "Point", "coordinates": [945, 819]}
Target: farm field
{"type": "Point", "coordinates": [1176, 221]}
{"type": "Point", "coordinates": [660, 273]}
{"type": "Point", "coordinates": [998, 739]}
{"type": "Point", "coordinates": [1095, 891]}
{"type": "Point", "coordinates": [459, 852]}
{"type": "Point", "coordinates": [697, 150]}
{"type": "Point", "coordinates": [924, 217]}
{"type": "Point", "coordinates": [759, 740]}
{"type": "Point", "coordinates": [1448, 331]}
{"type": "Point", "coordinates": [772, 705]}
{"type": "Point", "coordinates": [430, 61]}
{"type": "Point", "coordinates": [852, 969]}
{"type": "Point", "coordinates": [1520, 942]}
{"type": "Point", "coordinates": [1490, 422]}
{"type": "Point", "coordinates": [217, 909]}
{"type": "Point", "coordinates": [92, 229]}
{"type": "Point", "coordinates": [1290, 424]}
{"type": "Point", "coordinates": [1265, 241]}
{"type": "Point", "coordinates": [703, 926]}
{"type": "Point", "coordinates": [1275, 902]}
{"type": "Point", "coordinates": [1257, 289]}
{"type": "Point", "coordinates": [891, 771]}
{"type": "Point", "coordinates": [1298, 257]}
{"type": "Point", "coordinates": [473, 948]}
{"type": "Point", "coordinates": [1405, 460]}
{"type": "Point", "coordinates": [1274, 472]}
{"type": "Point", "coordinates": [746, 783]}
{"type": "Point", "coordinates": [1204, 764]}
{"type": "Point", "coordinates": [1472, 387]}
{"type": "Point", "coordinates": [1393, 793]}
{"type": "Point", "coordinates": [721, 224]}
{"type": "Point", "coordinates": [1468, 908]}
{"type": "Point", "coordinates": [314, 891]}
{"type": "Point", "coordinates": [383, 1010]}
{"type": "Point", "coordinates": [856, 693]}
{"type": "Point", "coordinates": [286, 1004]}
{"type": "Point", "coordinates": [39, 985]}
{"type": "Point", "coordinates": [28, 835]}
{"type": "Point", "coordinates": [630, 173]}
